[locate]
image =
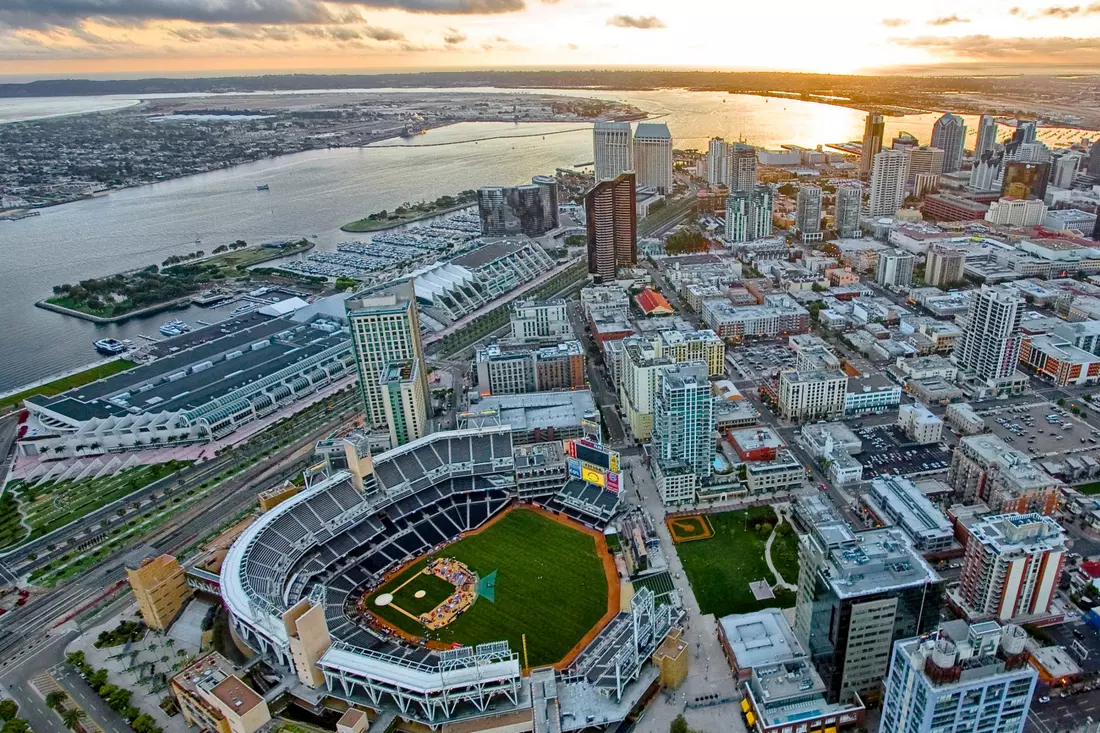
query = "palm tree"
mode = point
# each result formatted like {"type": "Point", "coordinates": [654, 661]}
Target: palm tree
{"type": "Point", "coordinates": [56, 699]}
{"type": "Point", "coordinates": [72, 718]}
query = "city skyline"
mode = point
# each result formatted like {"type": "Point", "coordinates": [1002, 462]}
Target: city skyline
{"type": "Point", "coordinates": [49, 38]}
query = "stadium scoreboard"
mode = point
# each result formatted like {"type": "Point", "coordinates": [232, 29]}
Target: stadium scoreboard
{"type": "Point", "coordinates": [591, 462]}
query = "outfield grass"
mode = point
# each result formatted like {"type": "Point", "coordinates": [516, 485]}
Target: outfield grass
{"type": "Point", "coordinates": [53, 505]}
{"type": "Point", "coordinates": [550, 585]}
{"type": "Point", "coordinates": [721, 568]}
{"type": "Point", "coordinates": [64, 384]}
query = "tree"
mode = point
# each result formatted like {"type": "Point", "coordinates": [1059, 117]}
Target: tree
{"type": "Point", "coordinates": [8, 709]}
{"type": "Point", "coordinates": [679, 725]}
{"type": "Point", "coordinates": [72, 718]}
{"type": "Point", "coordinates": [56, 699]}
{"type": "Point", "coordinates": [16, 725]}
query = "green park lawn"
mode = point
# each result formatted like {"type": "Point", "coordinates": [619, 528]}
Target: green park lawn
{"type": "Point", "coordinates": [64, 384]}
{"type": "Point", "coordinates": [48, 506]}
{"type": "Point", "coordinates": [550, 585]}
{"type": "Point", "coordinates": [721, 568]}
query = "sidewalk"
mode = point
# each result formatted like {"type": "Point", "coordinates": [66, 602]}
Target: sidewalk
{"type": "Point", "coordinates": [139, 667]}
{"type": "Point", "coordinates": [709, 676]}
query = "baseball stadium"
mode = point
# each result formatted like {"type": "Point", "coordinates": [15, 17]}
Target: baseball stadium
{"type": "Point", "coordinates": [455, 578]}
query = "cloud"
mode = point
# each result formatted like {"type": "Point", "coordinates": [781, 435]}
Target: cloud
{"type": "Point", "coordinates": [572, 46]}
{"type": "Point", "coordinates": [1056, 11]}
{"type": "Point", "coordinates": [894, 22]}
{"type": "Point", "coordinates": [453, 36]}
{"type": "Point", "coordinates": [644, 22]}
{"type": "Point", "coordinates": [948, 20]}
{"type": "Point", "coordinates": [1015, 11]}
{"type": "Point", "coordinates": [501, 39]}
{"type": "Point", "coordinates": [67, 13]}
{"type": "Point", "coordinates": [1065, 51]}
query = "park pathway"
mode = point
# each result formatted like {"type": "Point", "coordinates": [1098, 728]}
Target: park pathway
{"type": "Point", "coordinates": [779, 581]}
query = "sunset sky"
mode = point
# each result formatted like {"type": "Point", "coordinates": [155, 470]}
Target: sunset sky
{"type": "Point", "coordinates": [84, 37]}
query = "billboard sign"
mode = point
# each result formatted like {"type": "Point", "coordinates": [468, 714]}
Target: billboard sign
{"type": "Point", "coordinates": [593, 477]}
{"type": "Point", "coordinates": [574, 467]}
{"type": "Point", "coordinates": [613, 482]}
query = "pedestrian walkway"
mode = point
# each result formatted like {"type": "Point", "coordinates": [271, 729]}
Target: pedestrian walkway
{"type": "Point", "coordinates": [780, 513]}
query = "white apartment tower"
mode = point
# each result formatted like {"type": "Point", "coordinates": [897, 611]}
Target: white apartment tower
{"type": "Point", "coordinates": [1012, 566]}
{"type": "Point", "coordinates": [718, 162]}
{"type": "Point", "coordinates": [683, 419]}
{"type": "Point", "coordinates": [895, 268]}
{"type": "Point", "coordinates": [949, 135]}
{"type": "Point", "coordinates": [987, 135]}
{"type": "Point", "coordinates": [849, 199]}
{"type": "Point", "coordinates": [925, 160]}
{"type": "Point", "coordinates": [653, 156]}
{"type": "Point", "coordinates": [945, 265]}
{"type": "Point", "coordinates": [385, 328]}
{"type": "Point", "coordinates": [749, 214]}
{"type": "Point", "coordinates": [888, 176]}
{"type": "Point", "coordinates": [990, 344]}
{"type": "Point", "coordinates": [742, 167]}
{"type": "Point", "coordinates": [808, 217]}
{"type": "Point", "coordinates": [612, 149]}
{"type": "Point", "coordinates": [961, 678]}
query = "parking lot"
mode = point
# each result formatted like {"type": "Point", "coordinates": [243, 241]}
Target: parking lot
{"type": "Point", "coordinates": [765, 360]}
{"type": "Point", "coordinates": [1042, 429]}
{"type": "Point", "coordinates": [1069, 712]}
{"type": "Point", "coordinates": [887, 450]}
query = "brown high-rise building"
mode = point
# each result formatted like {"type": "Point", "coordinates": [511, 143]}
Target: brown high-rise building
{"type": "Point", "coordinates": [160, 588]}
{"type": "Point", "coordinates": [874, 129]}
{"type": "Point", "coordinates": [612, 226]}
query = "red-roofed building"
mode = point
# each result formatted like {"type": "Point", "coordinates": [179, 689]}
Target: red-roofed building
{"type": "Point", "coordinates": [1084, 575]}
{"type": "Point", "coordinates": [756, 443]}
{"type": "Point", "coordinates": [653, 303]}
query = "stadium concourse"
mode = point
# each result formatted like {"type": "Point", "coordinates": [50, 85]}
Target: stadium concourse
{"type": "Point", "coordinates": [292, 580]}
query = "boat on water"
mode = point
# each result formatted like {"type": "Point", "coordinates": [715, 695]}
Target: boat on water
{"type": "Point", "coordinates": [174, 328]}
{"type": "Point", "coordinates": [110, 346]}
{"type": "Point", "coordinates": [244, 309]}
{"type": "Point", "coordinates": [263, 187]}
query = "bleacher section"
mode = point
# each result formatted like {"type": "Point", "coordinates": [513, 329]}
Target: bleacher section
{"type": "Point", "coordinates": [585, 502]}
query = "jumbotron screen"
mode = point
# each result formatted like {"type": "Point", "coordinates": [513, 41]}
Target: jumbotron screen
{"type": "Point", "coordinates": [593, 456]}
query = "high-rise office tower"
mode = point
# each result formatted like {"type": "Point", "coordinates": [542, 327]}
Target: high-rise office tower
{"type": "Point", "coordinates": [1027, 131]}
{"type": "Point", "coordinates": [1094, 159]}
{"type": "Point", "coordinates": [858, 593]}
{"type": "Point", "coordinates": [612, 148]}
{"type": "Point", "coordinates": [945, 265]}
{"type": "Point", "coordinates": [718, 164]}
{"type": "Point", "coordinates": [1025, 180]}
{"type": "Point", "coordinates": [888, 176]}
{"type": "Point", "coordinates": [895, 268]}
{"type": "Point", "coordinates": [1096, 230]}
{"type": "Point", "coordinates": [961, 678]}
{"type": "Point", "coordinates": [874, 129]}
{"type": "Point", "coordinates": [925, 160]}
{"type": "Point", "coordinates": [742, 167]}
{"type": "Point", "coordinates": [653, 156]}
{"type": "Point", "coordinates": [749, 214]}
{"type": "Point", "coordinates": [385, 328]}
{"type": "Point", "coordinates": [987, 135]}
{"type": "Point", "coordinates": [1064, 168]}
{"type": "Point", "coordinates": [849, 199]}
{"type": "Point", "coordinates": [987, 171]}
{"type": "Point", "coordinates": [683, 419]}
{"type": "Point", "coordinates": [904, 141]}
{"type": "Point", "coordinates": [612, 226]}
{"type": "Point", "coordinates": [990, 344]}
{"type": "Point", "coordinates": [403, 401]}
{"type": "Point", "coordinates": [949, 135]}
{"type": "Point", "coordinates": [808, 217]}
{"type": "Point", "coordinates": [530, 209]}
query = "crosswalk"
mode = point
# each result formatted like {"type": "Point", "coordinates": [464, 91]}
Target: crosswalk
{"type": "Point", "coordinates": [46, 683]}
